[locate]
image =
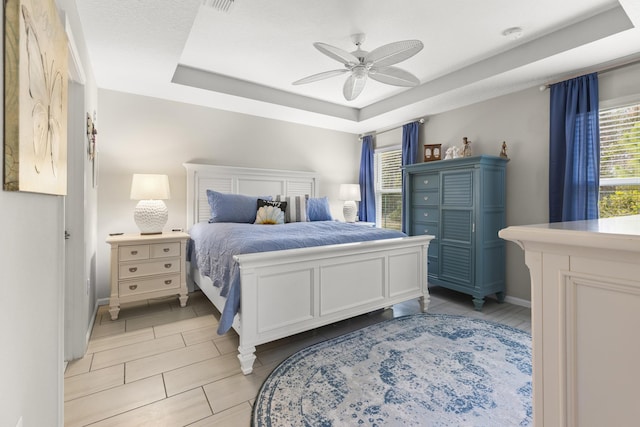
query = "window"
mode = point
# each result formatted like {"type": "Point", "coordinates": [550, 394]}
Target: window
{"type": "Point", "coordinates": [388, 177]}
{"type": "Point", "coordinates": [620, 161]}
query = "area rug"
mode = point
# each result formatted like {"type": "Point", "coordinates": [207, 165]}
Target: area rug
{"type": "Point", "coordinates": [419, 370]}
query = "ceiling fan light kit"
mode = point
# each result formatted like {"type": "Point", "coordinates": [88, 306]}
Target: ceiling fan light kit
{"type": "Point", "coordinates": [361, 64]}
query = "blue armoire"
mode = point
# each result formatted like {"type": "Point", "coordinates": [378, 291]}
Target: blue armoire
{"type": "Point", "coordinates": [462, 203]}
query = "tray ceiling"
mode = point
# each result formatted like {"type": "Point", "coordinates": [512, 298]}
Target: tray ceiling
{"type": "Point", "coordinates": [245, 60]}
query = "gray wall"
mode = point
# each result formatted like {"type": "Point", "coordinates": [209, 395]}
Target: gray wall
{"type": "Point", "coordinates": [139, 134]}
{"type": "Point", "coordinates": [146, 135]}
{"type": "Point", "coordinates": [522, 120]}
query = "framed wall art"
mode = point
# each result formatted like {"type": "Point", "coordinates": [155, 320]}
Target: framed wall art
{"type": "Point", "coordinates": [35, 98]}
{"type": "Point", "coordinates": [432, 152]}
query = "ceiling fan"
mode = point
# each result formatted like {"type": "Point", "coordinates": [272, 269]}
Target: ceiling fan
{"type": "Point", "coordinates": [361, 64]}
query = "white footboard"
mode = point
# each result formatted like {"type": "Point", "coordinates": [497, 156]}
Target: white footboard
{"type": "Point", "coordinates": [287, 292]}
{"type": "Point", "coordinates": [291, 291]}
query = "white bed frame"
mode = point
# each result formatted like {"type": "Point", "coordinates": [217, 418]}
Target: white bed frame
{"type": "Point", "coordinates": [291, 291]}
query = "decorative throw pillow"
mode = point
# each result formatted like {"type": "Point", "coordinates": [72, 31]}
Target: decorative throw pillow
{"type": "Point", "coordinates": [270, 212]}
{"type": "Point", "coordinates": [296, 208]}
{"type": "Point", "coordinates": [318, 209]}
{"type": "Point", "coordinates": [227, 207]}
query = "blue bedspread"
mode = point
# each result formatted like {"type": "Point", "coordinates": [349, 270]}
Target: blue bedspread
{"type": "Point", "coordinates": [212, 247]}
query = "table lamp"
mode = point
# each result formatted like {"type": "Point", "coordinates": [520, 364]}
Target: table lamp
{"type": "Point", "coordinates": [350, 193]}
{"type": "Point", "coordinates": [151, 213]}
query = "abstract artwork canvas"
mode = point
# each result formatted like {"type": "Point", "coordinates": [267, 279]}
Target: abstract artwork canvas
{"type": "Point", "coordinates": [35, 98]}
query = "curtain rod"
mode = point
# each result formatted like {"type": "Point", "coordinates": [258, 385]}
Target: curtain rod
{"type": "Point", "coordinates": [630, 60]}
{"type": "Point", "coordinates": [420, 120]}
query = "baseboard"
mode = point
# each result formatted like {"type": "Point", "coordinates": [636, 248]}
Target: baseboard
{"type": "Point", "coordinates": [99, 302]}
{"type": "Point", "coordinates": [518, 301]}
{"type": "Point", "coordinates": [93, 321]}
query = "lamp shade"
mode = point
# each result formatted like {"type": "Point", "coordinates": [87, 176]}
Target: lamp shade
{"type": "Point", "coordinates": [150, 187]}
{"type": "Point", "coordinates": [350, 192]}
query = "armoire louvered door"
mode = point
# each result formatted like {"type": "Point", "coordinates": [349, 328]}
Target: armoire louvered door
{"type": "Point", "coordinates": [456, 230]}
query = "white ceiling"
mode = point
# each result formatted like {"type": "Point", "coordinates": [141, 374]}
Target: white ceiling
{"type": "Point", "coordinates": [244, 60]}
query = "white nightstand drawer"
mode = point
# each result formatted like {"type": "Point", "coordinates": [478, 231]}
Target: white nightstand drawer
{"type": "Point", "coordinates": [132, 253]}
{"type": "Point", "coordinates": [148, 285]}
{"type": "Point", "coordinates": [137, 269]}
{"type": "Point", "coordinates": [163, 250]}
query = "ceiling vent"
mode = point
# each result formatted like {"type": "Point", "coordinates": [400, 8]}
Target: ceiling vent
{"type": "Point", "coordinates": [221, 5]}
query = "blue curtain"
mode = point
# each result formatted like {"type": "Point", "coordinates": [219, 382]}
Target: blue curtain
{"type": "Point", "coordinates": [410, 152]}
{"type": "Point", "coordinates": [574, 150]}
{"type": "Point", "coordinates": [367, 211]}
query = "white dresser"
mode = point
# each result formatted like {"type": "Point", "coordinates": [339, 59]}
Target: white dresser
{"type": "Point", "coordinates": [147, 266]}
{"type": "Point", "coordinates": [585, 292]}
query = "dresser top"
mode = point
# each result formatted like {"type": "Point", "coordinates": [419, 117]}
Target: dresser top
{"type": "Point", "coordinates": [620, 233]}
{"type": "Point", "coordinates": [147, 238]}
{"type": "Point", "coordinates": [459, 162]}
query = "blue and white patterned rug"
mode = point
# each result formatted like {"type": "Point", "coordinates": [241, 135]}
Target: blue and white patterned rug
{"type": "Point", "coordinates": [419, 370]}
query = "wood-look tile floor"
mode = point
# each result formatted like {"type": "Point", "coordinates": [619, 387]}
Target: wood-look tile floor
{"type": "Point", "coordinates": [163, 365]}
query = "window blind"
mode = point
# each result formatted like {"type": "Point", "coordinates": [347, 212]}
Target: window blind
{"type": "Point", "coordinates": [620, 145]}
{"type": "Point", "coordinates": [388, 165]}
{"type": "Point", "coordinates": [619, 161]}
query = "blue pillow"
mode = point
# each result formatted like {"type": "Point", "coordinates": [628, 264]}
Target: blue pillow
{"type": "Point", "coordinates": [233, 207]}
{"type": "Point", "coordinates": [318, 209]}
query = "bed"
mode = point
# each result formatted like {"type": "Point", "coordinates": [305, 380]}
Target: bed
{"type": "Point", "coordinates": [285, 292]}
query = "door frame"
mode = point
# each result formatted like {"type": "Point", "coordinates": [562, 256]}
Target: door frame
{"type": "Point", "coordinates": [76, 285]}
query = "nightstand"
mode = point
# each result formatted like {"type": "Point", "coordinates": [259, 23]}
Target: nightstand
{"type": "Point", "coordinates": [147, 266]}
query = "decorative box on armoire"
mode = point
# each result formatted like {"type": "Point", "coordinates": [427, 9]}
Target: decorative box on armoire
{"type": "Point", "coordinates": [462, 203]}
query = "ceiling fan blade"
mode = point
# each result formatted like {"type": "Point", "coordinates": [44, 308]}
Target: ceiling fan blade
{"type": "Point", "coordinates": [393, 53]}
{"type": "Point", "coordinates": [394, 76]}
{"type": "Point", "coordinates": [320, 76]}
{"type": "Point", "coordinates": [336, 53]}
{"type": "Point", "coordinates": [353, 87]}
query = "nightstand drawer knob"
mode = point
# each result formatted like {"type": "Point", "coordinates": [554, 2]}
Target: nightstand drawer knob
{"type": "Point", "coordinates": [426, 181]}
{"type": "Point", "coordinates": [166, 250]}
{"type": "Point", "coordinates": [134, 252]}
{"type": "Point", "coordinates": [133, 269]}
{"type": "Point", "coordinates": [426, 198]}
{"type": "Point", "coordinates": [168, 265]}
{"type": "Point", "coordinates": [133, 287]}
{"type": "Point", "coordinates": [426, 214]}
{"type": "Point", "coordinates": [426, 230]}
{"type": "Point", "coordinates": [168, 282]}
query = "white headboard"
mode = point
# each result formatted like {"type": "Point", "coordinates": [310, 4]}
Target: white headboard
{"type": "Point", "coordinates": [236, 180]}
